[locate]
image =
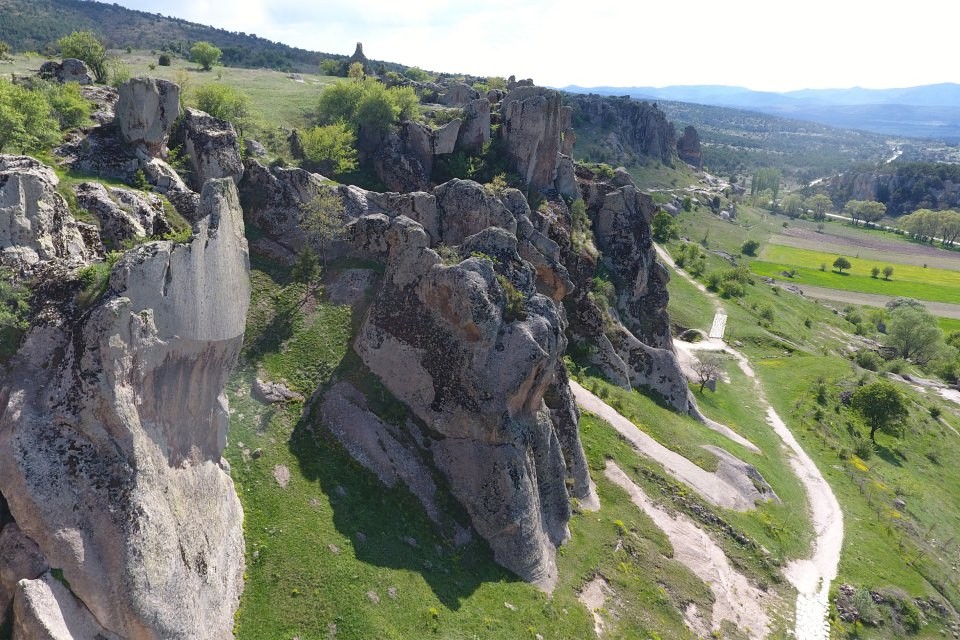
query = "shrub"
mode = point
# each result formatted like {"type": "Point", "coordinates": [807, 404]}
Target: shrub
{"type": "Point", "coordinates": [223, 101]}
{"type": "Point", "coordinates": [330, 148]}
{"type": "Point", "coordinates": [164, 60]}
{"type": "Point", "coordinates": [664, 228]}
{"type": "Point", "coordinates": [864, 448]}
{"type": "Point", "coordinates": [867, 359]}
{"type": "Point", "coordinates": [205, 54]}
{"type": "Point", "coordinates": [750, 247]}
{"type": "Point", "coordinates": [14, 313]}
{"type": "Point", "coordinates": [513, 307]}
{"type": "Point", "coordinates": [27, 121]}
{"type": "Point", "coordinates": [69, 106]}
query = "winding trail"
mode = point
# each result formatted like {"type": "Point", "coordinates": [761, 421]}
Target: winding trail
{"type": "Point", "coordinates": [811, 577]}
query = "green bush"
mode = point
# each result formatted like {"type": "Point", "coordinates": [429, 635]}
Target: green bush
{"type": "Point", "coordinates": [84, 45]}
{"type": "Point", "coordinates": [27, 120]}
{"type": "Point", "coordinates": [330, 148]}
{"type": "Point", "coordinates": [513, 307]}
{"type": "Point", "coordinates": [164, 60]}
{"type": "Point", "coordinates": [69, 106]}
{"type": "Point", "coordinates": [225, 102]}
{"type": "Point", "coordinates": [749, 248]}
{"type": "Point", "coordinates": [205, 54]}
{"type": "Point", "coordinates": [14, 313]}
{"type": "Point", "coordinates": [867, 359]}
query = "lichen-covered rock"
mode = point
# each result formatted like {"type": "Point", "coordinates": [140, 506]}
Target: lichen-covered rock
{"type": "Point", "coordinates": [22, 560]}
{"type": "Point", "coordinates": [466, 208]}
{"type": "Point", "coordinates": [630, 130]}
{"type": "Point", "coordinates": [117, 485]}
{"type": "Point", "coordinates": [398, 167]}
{"type": "Point", "coordinates": [123, 214]}
{"type": "Point", "coordinates": [147, 109]}
{"type": "Point", "coordinates": [531, 128]}
{"type": "Point", "coordinates": [473, 352]}
{"type": "Point", "coordinates": [211, 147]}
{"type": "Point", "coordinates": [444, 139]}
{"type": "Point", "coordinates": [35, 223]}
{"type": "Point", "coordinates": [67, 70]}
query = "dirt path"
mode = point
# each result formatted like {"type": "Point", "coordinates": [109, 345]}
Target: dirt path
{"type": "Point", "coordinates": [811, 577]}
{"type": "Point", "coordinates": [721, 489]}
{"type": "Point", "coordinates": [735, 599]}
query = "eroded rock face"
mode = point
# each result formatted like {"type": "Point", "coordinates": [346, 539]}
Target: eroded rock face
{"type": "Point", "coordinates": [35, 223]}
{"type": "Point", "coordinates": [147, 109]}
{"type": "Point", "coordinates": [111, 433]}
{"type": "Point", "coordinates": [688, 147]}
{"type": "Point", "coordinates": [211, 147]}
{"type": "Point", "coordinates": [632, 130]}
{"type": "Point", "coordinates": [475, 131]}
{"type": "Point", "coordinates": [532, 122]}
{"type": "Point", "coordinates": [473, 353]}
{"type": "Point", "coordinates": [123, 214]}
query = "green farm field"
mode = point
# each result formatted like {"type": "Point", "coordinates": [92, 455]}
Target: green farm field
{"type": "Point", "coordinates": [938, 285]}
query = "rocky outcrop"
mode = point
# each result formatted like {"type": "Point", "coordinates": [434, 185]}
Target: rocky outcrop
{"type": "Point", "coordinates": [473, 352]}
{"type": "Point", "coordinates": [211, 147]}
{"type": "Point", "coordinates": [358, 56]}
{"type": "Point", "coordinates": [397, 159]}
{"type": "Point", "coordinates": [68, 70]}
{"type": "Point", "coordinates": [147, 109]}
{"type": "Point", "coordinates": [688, 147]}
{"type": "Point", "coordinates": [474, 133]}
{"type": "Point", "coordinates": [124, 215]}
{"type": "Point", "coordinates": [627, 130]}
{"type": "Point", "coordinates": [532, 121]}
{"type": "Point", "coordinates": [36, 225]}
{"type": "Point", "coordinates": [458, 95]}
{"type": "Point", "coordinates": [120, 488]}
{"type": "Point", "coordinates": [466, 208]}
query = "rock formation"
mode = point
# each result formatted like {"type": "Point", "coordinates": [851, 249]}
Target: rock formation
{"type": "Point", "coordinates": [35, 223]}
{"type": "Point", "coordinates": [688, 147]}
{"type": "Point", "coordinates": [112, 425]}
{"type": "Point", "coordinates": [629, 130]}
{"type": "Point", "coordinates": [210, 145]}
{"type": "Point", "coordinates": [532, 123]}
{"type": "Point", "coordinates": [473, 350]}
{"type": "Point", "coordinates": [147, 109]}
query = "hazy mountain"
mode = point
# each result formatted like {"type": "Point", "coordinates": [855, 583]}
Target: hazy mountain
{"type": "Point", "coordinates": [929, 111]}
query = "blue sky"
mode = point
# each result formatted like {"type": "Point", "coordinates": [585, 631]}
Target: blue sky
{"type": "Point", "coordinates": [754, 43]}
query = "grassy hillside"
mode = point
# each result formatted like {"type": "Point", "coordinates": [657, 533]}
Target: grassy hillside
{"type": "Point", "coordinates": [33, 25]}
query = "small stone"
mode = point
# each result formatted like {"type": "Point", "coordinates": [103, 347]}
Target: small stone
{"type": "Point", "coordinates": [282, 475]}
{"type": "Point", "coordinates": [373, 597]}
{"type": "Point", "coordinates": [392, 592]}
{"type": "Point", "coordinates": [257, 453]}
{"type": "Point", "coordinates": [332, 630]}
{"type": "Point", "coordinates": [340, 491]}
{"type": "Point", "coordinates": [510, 606]}
{"type": "Point", "coordinates": [899, 504]}
{"type": "Point", "coordinates": [334, 549]}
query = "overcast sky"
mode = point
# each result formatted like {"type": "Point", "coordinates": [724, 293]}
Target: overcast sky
{"type": "Point", "coordinates": [759, 44]}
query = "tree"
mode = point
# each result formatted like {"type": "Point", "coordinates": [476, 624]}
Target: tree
{"type": "Point", "coordinates": [84, 45]}
{"type": "Point", "coordinates": [205, 54]}
{"type": "Point", "coordinates": [322, 222]}
{"type": "Point", "coordinates": [355, 72]}
{"type": "Point", "coordinates": [708, 367]}
{"type": "Point", "coordinates": [913, 333]}
{"type": "Point", "coordinates": [330, 148]}
{"type": "Point", "coordinates": [841, 263]}
{"type": "Point", "coordinates": [330, 67]}
{"type": "Point", "coordinates": [749, 248]}
{"type": "Point", "coordinates": [874, 271]}
{"type": "Point", "coordinates": [225, 102]}
{"type": "Point", "coordinates": [663, 227]}
{"type": "Point", "coordinates": [368, 106]}
{"type": "Point", "coordinates": [792, 205]}
{"type": "Point", "coordinates": [887, 272]}
{"type": "Point", "coordinates": [872, 211]}
{"type": "Point", "coordinates": [819, 204]}
{"type": "Point", "coordinates": [4, 51]}
{"type": "Point", "coordinates": [881, 405]}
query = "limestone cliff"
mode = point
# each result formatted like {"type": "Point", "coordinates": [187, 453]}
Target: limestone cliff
{"type": "Point", "coordinates": [622, 131]}
{"type": "Point", "coordinates": [112, 425]}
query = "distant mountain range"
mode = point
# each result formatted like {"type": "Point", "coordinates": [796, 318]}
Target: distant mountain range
{"type": "Point", "coordinates": [928, 111]}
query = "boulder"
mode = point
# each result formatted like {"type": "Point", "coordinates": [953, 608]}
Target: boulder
{"type": "Point", "coordinates": [124, 214]}
{"type": "Point", "coordinates": [473, 351]}
{"type": "Point", "coordinates": [36, 225]}
{"type": "Point", "coordinates": [254, 148]}
{"type": "Point", "coordinates": [117, 485]}
{"type": "Point", "coordinates": [211, 147]}
{"type": "Point", "coordinates": [68, 70]}
{"type": "Point", "coordinates": [445, 138]}
{"type": "Point", "coordinates": [417, 140]}
{"type": "Point", "coordinates": [566, 182]}
{"type": "Point", "coordinates": [531, 128]}
{"type": "Point", "coordinates": [147, 109]}
{"type": "Point", "coordinates": [474, 132]}
{"type": "Point", "coordinates": [22, 560]}
{"type": "Point", "coordinates": [458, 95]}
{"type": "Point", "coordinates": [273, 392]}
{"type": "Point", "coordinates": [44, 609]}
{"type": "Point", "coordinates": [398, 165]}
